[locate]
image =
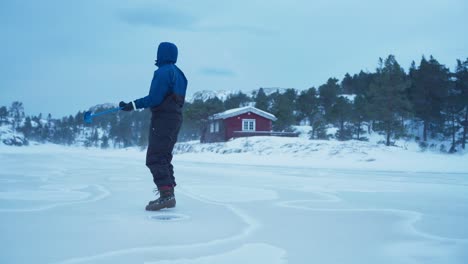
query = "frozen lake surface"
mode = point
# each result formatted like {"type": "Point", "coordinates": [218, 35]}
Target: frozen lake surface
{"type": "Point", "coordinates": [63, 205]}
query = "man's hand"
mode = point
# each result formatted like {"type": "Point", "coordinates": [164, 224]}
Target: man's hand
{"type": "Point", "coordinates": [127, 106]}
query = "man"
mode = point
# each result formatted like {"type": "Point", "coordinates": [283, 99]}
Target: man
{"type": "Point", "coordinates": [166, 98]}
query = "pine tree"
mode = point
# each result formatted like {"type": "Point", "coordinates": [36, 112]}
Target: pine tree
{"type": "Point", "coordinates": [213, 106]}
{"type": "Point", "coordinates": [461, 85]}
{"type": "Point", "coordinates": [199, 111]}
{"type": "Point", "coordinates": [261, 100]}
{"type": "Point", "coordinates": [360, 114]}
{"type": "Point", "coordinates": [27, 128]}
{"type": "Point", "coordinates": [388, 97]}
{"type": "Point", "coordinates": [236, 100]}
{"type": "Point", "coordinates": [69, 136]}
{"type": "Point", "coordinates": [95, 137]}
{"type": "Point", "coordinates": [105, 142]}
{"type": "Point", "coordinates": [121, 130]}
{"type": "Point", "coordinates": [3, 114]}
{"type": "Point", "coordinates": [17, 113]}
{"type": "Point", "coordinates": [189, 129]}
{"type": "Point", "coordinates": [340, 113]}
{"type": "Point", "coordinates": [58, 135]}
{"type": "Point", "coordinates": [361, 82]}
{"type": "Point", "coordinates": [37, 127]}
{"type": "Point", "coordinates": [307, 105]}
{"type": "Point", "coordinates": [347, 84]}
{"type": "Point", "coordinates": [283, 108]}
{"type": "Point", "coordinates": [45, 133]}
{"type": "Point", "coordinates": [452, 109]}
{"type": "Point", "coordinates": [328, 95]}
{"type": "Point", "coordinates": [319, 127]}
{"type": "Point", "coordinates": [427, 92]}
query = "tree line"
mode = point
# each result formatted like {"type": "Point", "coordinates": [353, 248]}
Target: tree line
{"type": "Point", "coordinates": [427, 102]}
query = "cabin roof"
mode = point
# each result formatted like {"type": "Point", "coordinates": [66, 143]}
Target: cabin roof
{"type": "Point", "coordinates": [242, 110]}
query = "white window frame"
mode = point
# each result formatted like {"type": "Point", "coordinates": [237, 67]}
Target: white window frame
{"type": "Point", "coordinates": [251, 125]}
{"type": "Point", "coordinates": [212, 127]}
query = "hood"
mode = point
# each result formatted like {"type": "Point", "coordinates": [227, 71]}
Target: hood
{"type": "Point", "coordinates": [167, 53]}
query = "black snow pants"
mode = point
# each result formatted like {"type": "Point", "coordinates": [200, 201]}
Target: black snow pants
{"type": "Point", "coordinates": [166, 120]}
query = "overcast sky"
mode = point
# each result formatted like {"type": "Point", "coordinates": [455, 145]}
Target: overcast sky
{"type": "Point", "coordinates": [60, 56]}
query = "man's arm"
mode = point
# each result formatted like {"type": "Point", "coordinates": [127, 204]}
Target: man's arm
{"type": "Point", "coordinates": [158, 90]}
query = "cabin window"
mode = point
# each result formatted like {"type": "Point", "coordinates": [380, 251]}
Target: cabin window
{"type": "Point", "coordinates": [248, 124]}
{"type": "Point", "coordinates": [214, 127]}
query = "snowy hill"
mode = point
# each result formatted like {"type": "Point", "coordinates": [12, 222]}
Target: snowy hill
{"type": "Point", "coordinates": [302, 152]}
{"type": "Point", "coordinates": [11, 138]}
{"type": "Point", "coordinates": [102, 106]}
{"type": "Point", "coordinates": [209, 94]}
{"type": "Point", "coordinates": [271, 90]}
{"type": "Point", "coordinates": [223, 94]}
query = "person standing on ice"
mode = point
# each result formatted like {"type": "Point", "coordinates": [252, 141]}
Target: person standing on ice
{"type": "Point", "coordinates": [166, 99]}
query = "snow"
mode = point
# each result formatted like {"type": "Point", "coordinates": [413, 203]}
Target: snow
{"type": "Point", "coordinates": [224, 94]}
{"type": "Point", "coordinates": [102, 106]}
{"type": "Point", "coordinates": [349, 97]}
{"type": "Point", "coordinates": [264, 252]}
{"type": "Point", "coordinates": [10, 137]}
{"type": "Point", "coordinates": [265, 204]}
{"type": "Point", "coordinates": [272, 90]}
{"type": "Point", "coordinates": [304, 131]}
{"type": "Point", "coordinates": [242, 110]}
{"type": "Point", "coordinates": [6, 131]}
{"type": "Point", "coordinates": [208, 94]}
{"type": "Point", "coordinates": [327, 154]}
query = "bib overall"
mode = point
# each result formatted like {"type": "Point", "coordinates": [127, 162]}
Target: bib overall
{"type": "Point", "coordinates": [166, 120]}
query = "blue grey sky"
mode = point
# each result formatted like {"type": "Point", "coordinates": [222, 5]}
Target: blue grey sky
{"type": "Point", "coordinates": [62, 56]}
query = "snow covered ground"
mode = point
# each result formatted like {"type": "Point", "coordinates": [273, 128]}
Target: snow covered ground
{"type": "Point", "coordinates": [325, 154]}
{"type": "Point", "coordinates": [337, 204]}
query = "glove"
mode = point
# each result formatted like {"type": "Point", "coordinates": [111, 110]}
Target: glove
{"type": "Point", "coordinates": [127, 106]}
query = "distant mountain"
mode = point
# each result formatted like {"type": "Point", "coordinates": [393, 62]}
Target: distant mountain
{"type": "Point", "coordinates": [209, 94]}
{"type": "Point", "coordinates": [271, 90]}
{"type": "Point", "coordinates": [102, 106]}
{"type": "Point", "coordinates": [223, 94]}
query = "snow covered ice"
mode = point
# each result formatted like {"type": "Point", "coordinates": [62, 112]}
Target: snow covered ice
{"type": "Point", "coordinates": [76, 205]}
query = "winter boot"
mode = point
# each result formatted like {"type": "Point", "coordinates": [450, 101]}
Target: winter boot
{"type": "Point", "coordinates": [166, 199]}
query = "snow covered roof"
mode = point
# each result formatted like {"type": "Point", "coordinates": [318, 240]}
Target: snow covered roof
{"type": "Point", "coordinates": [242, 110]}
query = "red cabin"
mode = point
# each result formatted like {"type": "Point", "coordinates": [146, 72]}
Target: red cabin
{"type": "Point", "coordinates": [239, 122]}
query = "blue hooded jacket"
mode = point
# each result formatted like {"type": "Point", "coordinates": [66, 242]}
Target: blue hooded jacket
{"type": "Point", "coordinates": [167, 79]}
